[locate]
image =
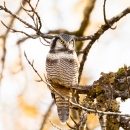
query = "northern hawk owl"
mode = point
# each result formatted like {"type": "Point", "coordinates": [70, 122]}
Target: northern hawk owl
{"type": "Point", "coordinates": [62, 71]}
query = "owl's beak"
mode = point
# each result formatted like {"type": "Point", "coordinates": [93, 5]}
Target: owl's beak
{"type": "Point", "coordinates": [67, 45]}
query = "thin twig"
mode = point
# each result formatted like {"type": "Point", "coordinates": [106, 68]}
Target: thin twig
{"type": "Point", "coordinates": [70, 126]}
{"type": "Point", "coordinates": [25, 38]}
{"type": "Point", "coordinates": [74, 121]}
{"type": "Point", "coordinates": [25, 23]}
{"type": "Point", "coordinates": [43, 35]}
{"type": "Point", "coordinates": [97, 111]}
{"type": "Point", "coordinates": [42, 42]}
{"type": "Point", "coordinates": [13, 30]}
{"type": "Point", "coordinates": [104, 14]}
{"type": "Point", "coordinates": [37, 4]}
{"type": "Point", "coordinates": [57, 126]}
{"type": "Point", "coordinates": [24, 8]}
{"type": "Point", "coordinates": [37, 17]}
{"type": "Point", "coordinates": [41, 79]}
{"type": "Point", "coordinates": [33, 15]}
{"type": "Point", "coordinates": [46, 40]}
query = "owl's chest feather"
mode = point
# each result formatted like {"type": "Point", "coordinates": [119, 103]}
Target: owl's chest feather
{"type": "Point", "coordinates": [61, 55]}
{"type": "Point", "coordinates": [58, 62]}
{"type": "Point", "coordinates": [62, 67]}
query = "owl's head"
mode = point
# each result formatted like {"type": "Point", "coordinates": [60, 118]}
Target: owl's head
{"type": "Point", "coordinates": [62, 42]}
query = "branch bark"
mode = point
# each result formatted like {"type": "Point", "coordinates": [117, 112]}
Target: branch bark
{"type": "Point", "coordinates": [97, 35]}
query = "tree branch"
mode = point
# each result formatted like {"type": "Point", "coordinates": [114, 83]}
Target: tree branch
{"type": "Point", "coordinates": [104, 14]}
{"type": "Point", "coordinates": [97, 35]}
{"type": "Point", "coordinates": [97, 111]}
{"type": "Point", "coordinates": [25, 23]}
{"type": "Point", "coordinates": [41, 79]}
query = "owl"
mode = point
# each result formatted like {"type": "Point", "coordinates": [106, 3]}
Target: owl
{"type": "Point", "coordinates": [62, 68]}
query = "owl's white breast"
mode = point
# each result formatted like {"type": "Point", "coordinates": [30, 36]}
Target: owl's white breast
{"type": "Point", "coordinates": [62, 55]}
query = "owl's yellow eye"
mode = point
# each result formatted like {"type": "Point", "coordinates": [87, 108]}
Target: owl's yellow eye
{"type": "Point", "coordinates": [61, 41]}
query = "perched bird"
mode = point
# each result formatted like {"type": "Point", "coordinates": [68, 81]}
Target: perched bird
{"type": "Point", "coordinates": [62, 71]}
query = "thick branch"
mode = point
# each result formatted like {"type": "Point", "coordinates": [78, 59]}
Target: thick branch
{"type": "Point", "coordinates": [119, 82]}
{"type": "Point", "coordinates": [97, 35]}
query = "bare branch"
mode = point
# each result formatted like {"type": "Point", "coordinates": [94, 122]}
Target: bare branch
{"type": "Point", "coordinates": [27, 10]}
{"type": "Point", "coordinates": [41, 79]}
{"type": "Point", "coordinates": [70, 126]}
{"type": "Point", "coordinates": [25, 38]}
{"type": "Point", "coordinates": [44, 40]}
{"type": "Point", "coordinates": [17, 17]}
{"type": "Point", "coordinates": [74, 121]}
{"type": "Point", "coordinates": [97, 111]}
{"type": "Point", "coordinates": [25, 23]}
{"type": "Point", "coordinates": [37, 17]}
{"type": "Point", "coordinates": [97, 35]}
{"type": "Point", "coordinates": [104, 14]}
{"type": "Point", "coordinates": [57, 126]}
{"type": "Point", "coordinates": [37, 4]}
{"type": "Point", "coordinates": [13, 30]}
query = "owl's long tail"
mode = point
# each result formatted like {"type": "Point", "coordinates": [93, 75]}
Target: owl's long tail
{"type": "Point", "coordinates": [62, 108]}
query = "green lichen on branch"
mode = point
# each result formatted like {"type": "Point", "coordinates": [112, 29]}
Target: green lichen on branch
{"type": "Point", "coordinates": [112, 123]}
{"type": "Point", "coordinates": [102, 95]}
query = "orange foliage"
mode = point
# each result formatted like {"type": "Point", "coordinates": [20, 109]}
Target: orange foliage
{"type": "Point", "coordinates": [27, 109]}
{"type": "Point", "coordinates": [92, 121]}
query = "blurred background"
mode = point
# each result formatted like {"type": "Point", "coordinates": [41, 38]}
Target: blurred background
{"type": "Point", "coordinates": [24, 102]}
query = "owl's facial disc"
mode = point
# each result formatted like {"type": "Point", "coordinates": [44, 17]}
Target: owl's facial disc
{"type": "Point", "coordinates": [68, 41]}
{"type": "Point", "coordinates": [66, 44]}
{"type": "Point", "coordinates": [63, 41]}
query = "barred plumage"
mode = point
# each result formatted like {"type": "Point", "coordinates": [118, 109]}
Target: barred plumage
{"type": "Point", "coordinates": [62, 71]}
